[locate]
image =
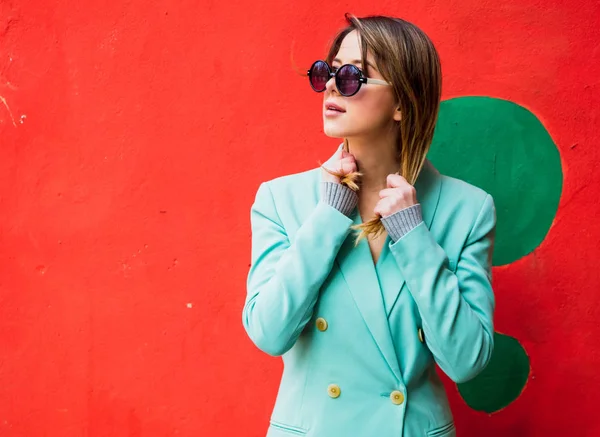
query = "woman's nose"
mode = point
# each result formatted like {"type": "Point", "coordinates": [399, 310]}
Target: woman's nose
{"type": "Point", "coordinates": [330, 85]}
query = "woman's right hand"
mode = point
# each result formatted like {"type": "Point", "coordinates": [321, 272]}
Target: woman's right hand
{"type": "Point", "coordinates": [341, 163]}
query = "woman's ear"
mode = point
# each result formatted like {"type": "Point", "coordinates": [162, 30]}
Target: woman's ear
{"type": "Point", "coordinates": [397, 114]}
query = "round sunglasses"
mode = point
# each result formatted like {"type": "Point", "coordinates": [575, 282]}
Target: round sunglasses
{"type": "Point", "coordinates": [348, 78]}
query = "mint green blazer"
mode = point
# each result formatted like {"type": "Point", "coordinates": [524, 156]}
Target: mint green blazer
{"type": "Point", "coordinates": [360, 341]}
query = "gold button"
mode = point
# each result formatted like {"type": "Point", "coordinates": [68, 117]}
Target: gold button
{"type": "Point", "coordinates": [397, 397]}
{"type": "Point", "coordinates": [421, 335]}
{"type": "Point", "coordinates": [321, 324]}
{"type": "Point", "coordinates": [333, 390]}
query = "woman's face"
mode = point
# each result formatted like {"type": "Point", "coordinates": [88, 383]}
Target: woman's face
{"type": "Point", "coordinates": [367, 113]}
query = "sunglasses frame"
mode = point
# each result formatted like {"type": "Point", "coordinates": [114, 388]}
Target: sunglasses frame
{"type": "Point", "coordinates": [361, 78]}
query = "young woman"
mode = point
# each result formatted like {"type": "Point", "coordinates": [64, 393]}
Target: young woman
{"type": "Point", "coordinates": [361, 322]}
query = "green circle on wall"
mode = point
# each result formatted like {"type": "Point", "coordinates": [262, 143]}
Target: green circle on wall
{"type": "Point", "coordinates": [503, 379]}
{"type": "Point", "coordinates": [504, 149]}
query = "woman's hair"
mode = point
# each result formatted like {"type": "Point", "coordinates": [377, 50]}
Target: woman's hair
{"type": "Point", "coordinates": [407, 59]}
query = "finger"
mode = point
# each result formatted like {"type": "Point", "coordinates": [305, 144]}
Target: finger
{"type": "Point", "coordinates": [395, 181]}
{"type": "Point", "coordinates": [348, 155]}
{"type": "Point", "coordinates": [334, 159]}
{"type": "Point", "coordinates": [348, 166]}
{"type": "Point", "coordinates": [380, 208]}
{"type": "Point", "coordinates": [386, 192]}
{"type": "Point", "coordinates": [376, 210]}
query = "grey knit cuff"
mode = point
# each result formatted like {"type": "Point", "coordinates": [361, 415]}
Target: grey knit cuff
{"type": "Point", "coordinates": [401, 222]}
{"type": "Point", "coordinates": [339, 196]}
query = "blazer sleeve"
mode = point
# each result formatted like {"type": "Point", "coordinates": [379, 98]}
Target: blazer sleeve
{"type": "Point", "coordinates": [284, 278]}
{"type": "Point", "coordinates": [456, 308]}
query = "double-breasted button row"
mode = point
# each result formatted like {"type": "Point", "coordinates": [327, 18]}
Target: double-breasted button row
{"type": "Point", "coordinates": [334, 391]}
{"type": "Point", "coordinates": [322, 326]}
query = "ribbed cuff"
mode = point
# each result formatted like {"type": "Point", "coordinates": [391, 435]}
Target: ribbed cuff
{"type": "Point", "coordinates": [401, 222]}
{"type": "Point", "coordinates": [339, 196]}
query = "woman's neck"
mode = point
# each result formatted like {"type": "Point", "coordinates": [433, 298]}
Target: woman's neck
{"type": "Point", "coordinates": [376, 159]}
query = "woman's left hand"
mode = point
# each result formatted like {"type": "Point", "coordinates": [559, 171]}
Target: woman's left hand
{"type": "Point", "coordinates": [398, 195]}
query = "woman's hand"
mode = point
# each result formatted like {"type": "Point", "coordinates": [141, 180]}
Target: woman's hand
{"type": "Point", "coordinates": [341, 162]}
{"type": "Point", "coordinates": [398, 195]}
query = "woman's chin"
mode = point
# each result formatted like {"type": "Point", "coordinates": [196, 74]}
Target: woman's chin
{"type": "Point", "coordinates": [334, 131]}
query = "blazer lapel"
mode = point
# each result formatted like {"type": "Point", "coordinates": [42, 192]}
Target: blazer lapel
{"type": "Point", "coordinates": [375, 302]}
{"type": "Point", "coordinates": [358, 270]}
{"type": "Point", "coordinates": [428, 186]}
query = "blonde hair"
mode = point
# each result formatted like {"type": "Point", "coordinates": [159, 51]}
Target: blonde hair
{"type": "Point", "coordinates": [406, 58]}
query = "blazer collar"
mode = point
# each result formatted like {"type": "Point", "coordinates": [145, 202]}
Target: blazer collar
{"type": "Point", "coordinates": [375, 297]}
{"type": "Point", "coordinates": [428, 186]}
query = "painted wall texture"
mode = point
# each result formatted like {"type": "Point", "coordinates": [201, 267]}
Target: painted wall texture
{"type": "Point", "coordinates": [133, 137]}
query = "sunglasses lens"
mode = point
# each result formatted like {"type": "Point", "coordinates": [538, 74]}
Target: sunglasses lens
{"type": "Point", "coordinates": [319, 75]}
{"type": "Point", "coordinates": [347, 80]}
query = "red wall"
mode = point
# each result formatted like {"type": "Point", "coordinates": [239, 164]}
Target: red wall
{"type": "Point", "coordinates": [133, 136]}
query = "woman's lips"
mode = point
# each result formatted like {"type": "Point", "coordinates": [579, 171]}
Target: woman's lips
{"type": "Point", "coordinates": [332, 110]}
{"type": "Point", "coordinates": [332, 113]}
